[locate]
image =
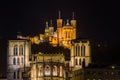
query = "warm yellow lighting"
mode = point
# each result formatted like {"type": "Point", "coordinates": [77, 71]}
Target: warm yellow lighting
{"type": "Point", "coordinates": [113, 67]}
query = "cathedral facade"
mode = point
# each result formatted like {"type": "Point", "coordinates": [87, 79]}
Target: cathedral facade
{"type": "Point", "coordinates": [22, 64]}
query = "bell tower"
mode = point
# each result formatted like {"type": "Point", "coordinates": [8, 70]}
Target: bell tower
{"type": "Point", "coordinates": [73, 23]}
{"type": "Point", "coordinates": [46, 29]}
{"type": "Point", "coordinates": [59, 28]}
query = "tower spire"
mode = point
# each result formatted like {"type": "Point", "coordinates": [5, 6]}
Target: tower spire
{"type": "Point", "coordinates": [46, 24]}
{"type": "Point", "coordinates": [67, 22]}
{"type": "Point", "coordinates": [59, 14]}
{"type": "Point", "coordinates": [73, 17]}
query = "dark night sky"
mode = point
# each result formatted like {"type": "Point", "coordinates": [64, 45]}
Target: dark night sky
{"type": "Point", "coordinates": [98, 20]}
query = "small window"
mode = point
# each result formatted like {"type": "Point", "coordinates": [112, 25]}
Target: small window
{"type": "Point", "coordinates": [78, 50]}
{"type": "Point", "coordinates": [21, 50]}
{"type": "Point", "coordinates": [41, 71]}
{"type": "Point", "coordinates": [18, 61]}
{"type": "Point", "coordinates": [14, 61]}
{"type": "Point", "coordinates": [83, 50]}
{"type": "Point", "coordinates": [18, 73]}
{"type": "Point", "coordinates": [22, 60]}
{"type": "Point", "coordinates": [55, 70]}
{"type": "Point", "coordinates": [15, 50]}
{"type": "Point", "coordinates": [47, 70]}
{"type": "Point", "coordinates": [14, 75]}
{"type": "Point", "coordinates": [76, 62]}
{"type": "Point", "coordinates": [79, 61]}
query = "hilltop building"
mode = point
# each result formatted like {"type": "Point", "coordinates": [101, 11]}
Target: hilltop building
{"type": "Point", "coordinates": [62, 36]}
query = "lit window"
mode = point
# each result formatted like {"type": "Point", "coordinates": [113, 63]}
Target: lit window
{"type": "Point", "coordinates": [61, 71]}
{"type": "Point", "coordinates": [55, 71]}
{"type": "Point", "coordinates": [47, 70]}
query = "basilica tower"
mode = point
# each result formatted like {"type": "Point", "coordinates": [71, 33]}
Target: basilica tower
{"type": "Point", "coordinates": [46, 38]}
{"type": "Point", "coordinates": [73, 23]}
{"type": "Point", "coordinates": [59, 28]}
{"type": "Point", "coordinates": [69, 32]}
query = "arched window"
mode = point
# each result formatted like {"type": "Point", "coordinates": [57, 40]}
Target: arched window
{"type": "Point", "coordinates": [15, 50]}
{"type": "Point", "coordinates": [83, 63]}
{"type": "Point", "coordinates": [55, 70]}
{"type": "Point", "coordinates": [76, 62]}
{"type": "Point", "coordinates": [18, 61]}
{"type": "Point", "coordinates": [61, 71]}
{"type": "Point", "coordinates": [14, 61]}
{"type": "Point", "coordinates": [14, 75]}
{"type": "Point", "coordinates": [83, 50]}
{"type": "Point", "coordinates": [78, 50]}
{"type": "Point", "coordinates": [21, 50]}
{"type": "Point", "coordinates": [65, 34]}
{"type": "Point", "coordinates": [74, 48]}
{"type": "Point", "coordinates": [68, 34]}
{"type": "Point", "coordinates": [22, 60]}
{"type": "Point", "coordinates": [47, 70]}
{"type": "Point", "coordinates": [79, 61]}
{"type": "Point", "coordinates": [41, 71]}
{"type": "Point", "coordinates": [18, 74]}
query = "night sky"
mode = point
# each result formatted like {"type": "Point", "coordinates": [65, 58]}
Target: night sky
{"type": "Point", "coordinates": [97, 20]}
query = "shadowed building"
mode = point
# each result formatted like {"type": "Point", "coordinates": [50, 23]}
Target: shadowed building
{"type": "Point", "coordinates": [97, 73]}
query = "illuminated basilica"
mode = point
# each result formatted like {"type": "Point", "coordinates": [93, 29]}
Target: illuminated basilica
{"type": "Point", "coordinates": [63, 35]}
{"type": "Point", "coordinates": [22, 64]}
